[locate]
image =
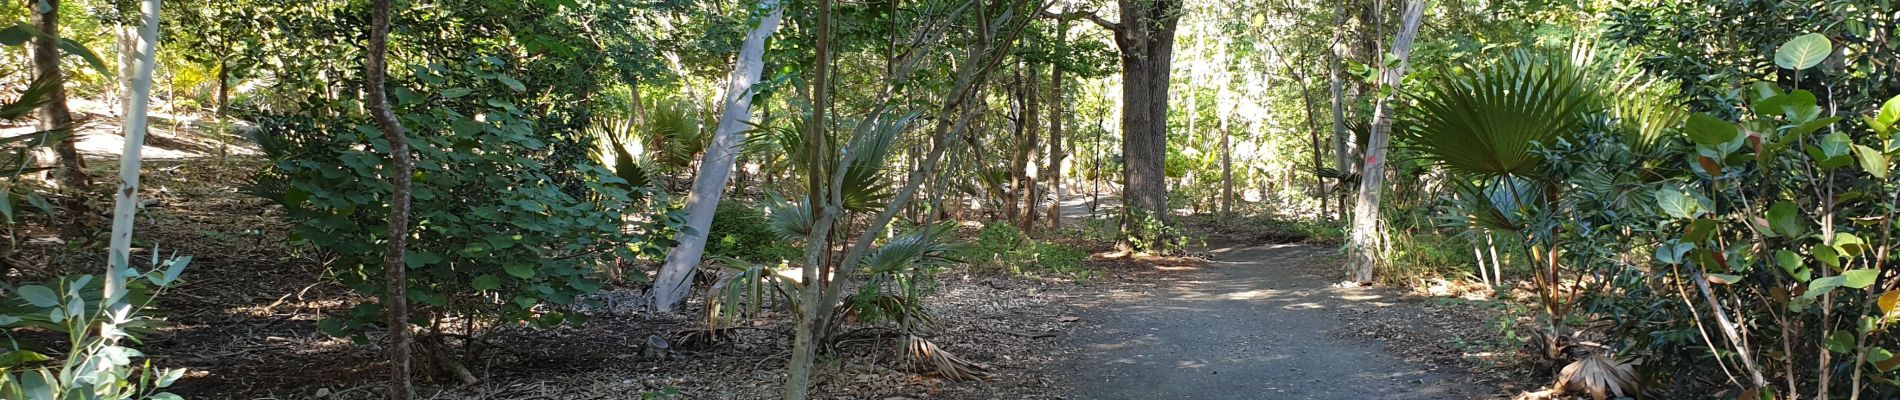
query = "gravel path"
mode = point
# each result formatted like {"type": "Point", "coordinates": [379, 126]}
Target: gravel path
{"type": "Point", "coordinates": [1256, 323]}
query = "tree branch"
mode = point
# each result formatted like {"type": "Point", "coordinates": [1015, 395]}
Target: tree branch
{"type": "Point", "coordinates": [1084, 14]}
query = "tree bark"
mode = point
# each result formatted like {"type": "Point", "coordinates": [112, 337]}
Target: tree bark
{"type": "Point", "coordinates": [55, 113]}
{"type": "Point", "coordinates": [818, 240]}
{"type": "Point", "coordinates": [395, 279]}
{"type": "Point", "coordinates": [1368, 236]}
{"type": "Point", "coordinates": [1145, 37]}
{"type": "Point", "coordinates": [1056, 105]}
{"type": "Point", "coordinates": [1032, 113]}
{"type": "Point", "coordinates": [673, 282]}
{"type": "Point", "coordinates": [126, 198]}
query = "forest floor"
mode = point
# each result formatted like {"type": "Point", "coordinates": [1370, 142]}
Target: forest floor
{"type": "Point", "coordinates": [1251, 316]}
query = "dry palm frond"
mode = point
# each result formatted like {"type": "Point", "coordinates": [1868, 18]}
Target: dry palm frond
{"type": "Point", "coordinates": [927, 355]}
{"type": "Point", "coordinates": [1598, 375]}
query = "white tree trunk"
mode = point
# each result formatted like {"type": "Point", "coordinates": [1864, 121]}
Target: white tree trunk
{"type": "Point", "coordinates": [715, 169]}
{"type": "Point", "coordinates": [1368, 236]}
{"type": "Point", "coordinates": [126, 199]}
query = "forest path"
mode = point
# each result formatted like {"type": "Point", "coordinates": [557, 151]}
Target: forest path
{"type": "Point", "coordinates": [1256, 322]}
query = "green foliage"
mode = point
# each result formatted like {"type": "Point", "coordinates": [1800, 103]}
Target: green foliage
{"type": "Point", "coordinates": [1000, 247]}
{"type": "Point", "coordinates": [493, 222]}
{"type": "Point", "coordinates": [741, 231]}
{"type": "Point", "coordinates": [1484, 123]}
{"type": "Point", "coordinates": [93, 366]}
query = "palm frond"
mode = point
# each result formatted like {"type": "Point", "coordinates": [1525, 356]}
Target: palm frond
{"type": "Point", "coordinates": [788, 220]}
{"type": "Point", "coordinates": [925, 246]}
{"type": "Point", "coordinates": [866, 184]}
{"type": "Point", "coordinates": [37, 94]}
{"type": "Point", "coordinates": [1486, 122]}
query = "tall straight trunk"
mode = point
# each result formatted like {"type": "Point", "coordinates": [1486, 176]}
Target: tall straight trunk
{"type": "Point", "coordinates": [1056, 115]}
{"type": "Point", "coordinates": [1145, 37]}
{"type": "Point", "coordinates": [1368, 236]}
{"type": "Point", "coordinates": [818, 240]}
{"type": "Point", "coordinates": [126, 199]}
{"type": "Point", "coordinates": [1226, 169]}
{"type": "Point", "coordinates": [1032, 113]}
{"type": "Point", "coordinates": [1342, 157]}
{"type": "Point", "coordinates": [55, 114]}
{"type": "Point", "coordinates": [395, 280]}
{"type": "Point", "coordinates": [224, 87]}
{"type": "Point", "coordinates": [1012, 193]}
{"type": "Point", "coordinates": [674, 280]}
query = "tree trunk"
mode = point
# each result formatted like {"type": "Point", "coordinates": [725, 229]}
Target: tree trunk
{"type": "Point", "coordinates": [1226, 169]}
{"type": "Point", "coordinates": [673, 283]}
{"type": "Point", "coordinates": [224, 87]}
{"type": "Point", "coordinates": [1032, 113]}
{"type": "Point", "coordinates": [1145, 37]}
{"type": "Point", "coordinates": [818, 240]}
{"type": "Point", "coordinates": [1368, 237]}
{"type": "Point", "coordinates": [395, 279]}
{"type": "Point", "coordinates": [1056, 105]}
{"type": "Point", "coordinates": [126, 198]}
{"type": "Point", "coordinates": [55, 114]}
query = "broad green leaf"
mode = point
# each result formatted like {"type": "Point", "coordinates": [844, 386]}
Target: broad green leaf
{"type": "Point", "coordinates": [20, 357]}
{"type": "Point", "coordinates": [456, 92]}
{"type": "Point", "coordinates": [1791, 263]}
{"type": "Point", "coordinates": [1841, 341]}
{"type": "Point", "coordinates": [511, 82]}
{"type": "Point", "coordinates": [1671, 251]}
{"type": "Point", "coordinates": [1785, 218]}
{"type": "Point", "coordinates": [166, 396]}
{"type": "Point", "coordinates": [486, 282]}
{"type": "Point", "coordinates": [1882, 359]}
{"type": "Point", "coordinates": [1849, 245]}
{"type": "Point", "coordinates": [1710, 131]}
{"type": "Point", "coordinates": [522, 271]}
{"type": "Point", "coordinates": [418, 259]}
{"type": "Point", "coordinates": [1723, 279]}
{"type": "Point", "coordinates": [1889, 114]}
{"type": "Point", "coordinates": [1827, 255]}
{"type": "Point", "coordinates": [1872, 160]}
{"type": "Point", "coordinates": [39, 296]}
{"type": "Point", "coordinates": [1803, 52]}
{"type": "Point", "coordinates": [1859, 278]}
{"type": "Point", "coordinates": [1821, 286]}
{"type": "Point", "coordinates": [1678, 203]}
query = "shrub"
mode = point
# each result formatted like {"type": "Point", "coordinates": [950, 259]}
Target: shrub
{"type": "Point", "coordinates": [740, 230]}
{"type": "Point", "coordinates": [94, 366]}
{"type": "Point", "coordinates": [496, 232]}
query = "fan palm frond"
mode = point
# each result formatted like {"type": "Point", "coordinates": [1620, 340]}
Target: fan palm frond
{"type": "Point", "coordinates": [925, 246]}
{"type": "Point", "coordinates": [1485, 122]}
{"type": "Point", "coordinates": [866, 184]}
{"type": "Point", "coordinates": [788, 220]}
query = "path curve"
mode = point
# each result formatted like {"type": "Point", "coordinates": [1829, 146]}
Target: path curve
{"type": "Point", "coordinates": [1255, 323]}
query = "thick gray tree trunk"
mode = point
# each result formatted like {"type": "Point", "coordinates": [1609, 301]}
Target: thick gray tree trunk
{"type": "Point", "coordinates": [1368, 235]}
{"type": "Point", "coordinates": [715, 169]}
{"type": "Point", "coordinates": [1145, 37]}
{"type": "Point", "coordinates": [1056, 115]}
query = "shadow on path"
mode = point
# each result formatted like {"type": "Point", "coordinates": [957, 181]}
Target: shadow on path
{"type": "Point", "coordinates": [1255, 323]}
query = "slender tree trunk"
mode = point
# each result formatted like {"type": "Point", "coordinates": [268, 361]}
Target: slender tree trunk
{"type": "Point", "coordinates": [1057, 104]}
{"type": "Point", "coordinates": [395, 280]}
{"type": "Point", "coordinates": [55, 114]}
{"type": "Point", "coordinates": [1342, 160]}
{"type": "Point", "coordinates": [818, 241]}
{"type": "Point", "coordinates": [126, 199]}
{"type": "Point", "coordinates": [224, 87]}
{"type": "Point", "coordinates": [673, 283]}
{"type": "Point", "coordinates": [1368, 236]}
{"type": "Point", "coordinates": [1032, 113]}
{"type": "Point", "coordinates": [1145, 37]}
{"type": "Point", "coordinates": [1226, 169]}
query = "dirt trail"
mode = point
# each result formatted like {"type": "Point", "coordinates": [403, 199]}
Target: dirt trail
{"type": "Point", "coordinates": [1256, 322]}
